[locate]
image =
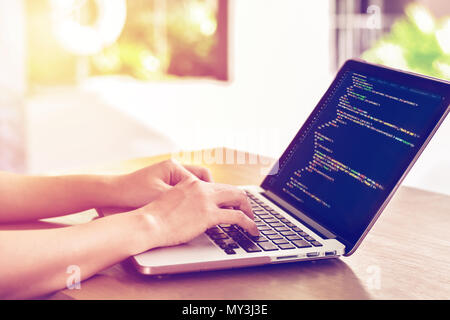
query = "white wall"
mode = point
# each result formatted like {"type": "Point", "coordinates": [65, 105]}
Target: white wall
{"type": "Point", "coordinates": [279, 52]}
{"type": "Point", "coordinates": [12, 46]}
{"type": "Point", "coordinates": [432, 169]}
{"type": "Point", "coordinates": [12, 86]}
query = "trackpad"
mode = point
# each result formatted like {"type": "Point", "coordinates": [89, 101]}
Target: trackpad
{"type": "Point", "coordinates": [198, 250]}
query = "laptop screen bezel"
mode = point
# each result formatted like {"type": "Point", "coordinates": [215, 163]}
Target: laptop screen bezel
{"type": "Point", "coordinates": [428, 84]}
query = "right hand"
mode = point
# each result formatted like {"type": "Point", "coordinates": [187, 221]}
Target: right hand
{"type": "Point", "coordinates": [192, 206]}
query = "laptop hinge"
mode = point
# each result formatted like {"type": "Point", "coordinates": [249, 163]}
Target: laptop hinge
{"type": "Point", "coordinates": [314, 226]}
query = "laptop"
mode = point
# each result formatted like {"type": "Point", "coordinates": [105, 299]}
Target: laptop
{"type": "Point", "coordinates": [334, 179]}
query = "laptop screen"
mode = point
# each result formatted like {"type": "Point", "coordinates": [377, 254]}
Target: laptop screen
{"type": "Point", "coordinates": [356, 145]}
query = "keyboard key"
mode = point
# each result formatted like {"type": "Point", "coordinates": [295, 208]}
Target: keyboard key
{"type": "Point", "coordinates": [316, 243]}
{"type": "Point", "coordinates": [280, 241]}
{"type": "Point", "coordinates": [275, 224]}
{"type": "Point", "coordinates": [268, 232]}
{"type": "Point", "coordinates": [232, 245]}
{"type": "Point", "coordinates": [221, 244]}
{"type": "Point", "coordinates": [226, 229]}
{"type": "Point", "coordinates": [258, 238]}
{"type": "Point", "coordinates": [224, 225]}
{"type": "Point", "coordinates": [259, 212]}
{"type": "Point", "coordinates": [226, 244]}
{"type": "Point", "coordinates": [213, 230]}
{"type": "Point", "coordinates": [286, 246]}
{"type": "Point", "coordinates": [248, 246]}
{"type": "Point", "coordinates": [274, 236]}
{"type": "Point", "coordinates": [297, 229]}
{"type": "Point", "coordinates": [270, 221]}
{"type": "Point", "coordinates": [236, 235]}
{"type": "Point", "coordinates": [301, 244]}
{"type": "Point", "coordinates": [274, 213]}
{"type": "Point", "coordinates": [282, 229]}
{"type": "Point", "coordinates": [218, 236]}
{"type": "Point", "coordinates": [229, 251]}
{"type": "Point", "coordinates": [268, 246]}
{"type": "Point", "coordinates": [264, 228]}
{"type": "Point", "coordinates": [290, 225]}
{"type": "Point", "coordinates": [288, 233]}
{"type": "Point", "coordinates": [293, 237]}
{"type": "Point", "coordinates": [308, 238]}
{"type": "Point", "coordinates": [303, 234]}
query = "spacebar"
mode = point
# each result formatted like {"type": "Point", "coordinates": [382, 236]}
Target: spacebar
{"type": "Point", "coordinates": [247, 245]}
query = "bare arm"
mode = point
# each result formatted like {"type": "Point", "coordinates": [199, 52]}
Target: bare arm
{"type": "Point", "coordinates": [26, 198]}
{"type": "Point", "coordinates": [35, 262]}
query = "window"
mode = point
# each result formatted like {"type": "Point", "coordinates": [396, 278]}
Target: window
{"type": "Point", "coordinates": [145, 39]}
{"type": "Point", "coordinates": [408, 35]}
{"type": "Point", "coordinates": [358, 24]}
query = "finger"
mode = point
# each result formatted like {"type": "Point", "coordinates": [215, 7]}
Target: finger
{"type": "Point", "coordinates": [229, 196]}
{"type": "Point", "coordinates": [179, 173]}
{"type": "Point", "coordinates": [200, 172]}
{"type": "Point", "coordinates": [230, 216]}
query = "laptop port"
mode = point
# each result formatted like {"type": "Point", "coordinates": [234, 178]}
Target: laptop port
{"type": "Point", "coordinates": [287, 257]}
{"type": "Point", "coordinates": [330, 253]}
{"type": "Point", "coordinates": [312, 254]}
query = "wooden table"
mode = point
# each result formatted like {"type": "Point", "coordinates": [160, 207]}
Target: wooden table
{"type": "Point", "coordinates": [405, 256]}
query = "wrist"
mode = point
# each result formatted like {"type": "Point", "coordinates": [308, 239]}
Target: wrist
{"type": "Point", "coordinates": [110, 191]}
{"type": "Point", "coordinates": [126, 234]}
{"type": "Point", "coordinates": [147, 230]}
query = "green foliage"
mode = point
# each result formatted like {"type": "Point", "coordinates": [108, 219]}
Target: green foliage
{"type": "Point", "coordinates": [409, 45]}
{"type": "Point", "coordinates": [151, 50]}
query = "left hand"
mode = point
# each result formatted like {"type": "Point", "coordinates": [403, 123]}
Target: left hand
{"type": "Point", "coordinates": [141, 187]}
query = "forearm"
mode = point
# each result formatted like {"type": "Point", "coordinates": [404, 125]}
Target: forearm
{"type": "Point", "coordinates": [37, 197]}
{"type": "Point", "coordinates": [35, 262]}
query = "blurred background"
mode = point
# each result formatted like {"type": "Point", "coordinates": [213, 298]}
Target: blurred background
{"type": "Point", "coordinates": [89, 82]}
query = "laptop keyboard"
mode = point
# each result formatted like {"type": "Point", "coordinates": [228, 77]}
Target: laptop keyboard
{"type": "Point", "coordinates": [276, 232]}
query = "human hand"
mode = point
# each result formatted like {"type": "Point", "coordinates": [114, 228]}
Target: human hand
{"type": "Point", "coordinates": [192, 206]}
{"type": "Point", "coordinates": [139, 188]}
